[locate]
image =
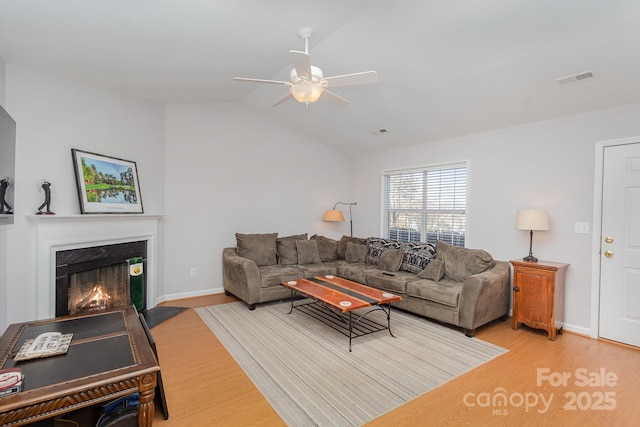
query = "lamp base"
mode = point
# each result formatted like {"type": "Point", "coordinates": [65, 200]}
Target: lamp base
{"type": "Point", "coordinates": [530, 258]}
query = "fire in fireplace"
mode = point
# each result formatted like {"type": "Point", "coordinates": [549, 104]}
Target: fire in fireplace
{"type": "Point", "coordinates": [95, 278]}
{"type": "Point", "coordinates": [99, 289]}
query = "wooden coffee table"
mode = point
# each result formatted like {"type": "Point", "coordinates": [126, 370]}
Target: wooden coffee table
{"type": "Point", "coordinates": [342, 297]}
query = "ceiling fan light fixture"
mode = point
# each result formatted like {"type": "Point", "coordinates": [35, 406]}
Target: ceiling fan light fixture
{"type": "Point", "coordinates": [306, 92]}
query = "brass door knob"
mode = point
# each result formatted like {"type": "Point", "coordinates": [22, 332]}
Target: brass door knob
{"type": "Point", "coordinates": [608, 254]}
{"type": "Point", "coordinates": [608, 239]}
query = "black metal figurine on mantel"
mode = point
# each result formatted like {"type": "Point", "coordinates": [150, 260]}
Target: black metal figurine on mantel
{"type": "Point", "coordinates": [46, 186]}
{"type": "Point", "coordinates": [4, 184]}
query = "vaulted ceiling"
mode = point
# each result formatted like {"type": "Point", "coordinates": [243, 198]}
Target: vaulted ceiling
{"type": "Point", "coordinates": [446, 67]}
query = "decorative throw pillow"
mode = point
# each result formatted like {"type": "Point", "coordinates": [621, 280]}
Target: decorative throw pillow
{"type": "Point", "coordinates": [342, 244]}
{"type": "Point", "coordinates": [308, 252]}
{"type": "Point", "coordinates": [416, 256]}
{"type": "Point", "coordinates": [327, 247]}
{"type": "Point", "coordinates": [260, 248]}
{"type": "Point", "coordinates": [460, 263]}
{"type": "Point", "coordinates": [287, 250]}
{"type": "Point", "coordinates": [390, 260]}
{"type": "Point", "coordinates": [376, 246]}
{"type": "Point", "coordinates": [355, 252]}
{"type": "Point", "coordinates": [433, 271]}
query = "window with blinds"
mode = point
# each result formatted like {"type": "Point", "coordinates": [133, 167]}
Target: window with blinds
{"type": "Point", "coordinates": [426, 205]}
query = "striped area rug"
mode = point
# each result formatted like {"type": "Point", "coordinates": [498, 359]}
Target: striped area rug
{"type": "Point", "coordinates": [306, 372]}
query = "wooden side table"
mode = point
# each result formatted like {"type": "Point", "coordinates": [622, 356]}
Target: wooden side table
{"type": "Point", "coordinates": [538, 295]}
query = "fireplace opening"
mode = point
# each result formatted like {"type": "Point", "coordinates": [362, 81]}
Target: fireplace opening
{"type": "Point", "coordinates": [97, 278]}
{"type": "Point", "coordinates": [100, 289]}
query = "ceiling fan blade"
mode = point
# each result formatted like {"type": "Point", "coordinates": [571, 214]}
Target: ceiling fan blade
{"type": "Point", "coordinates": [301, 63]}
{"type": "Point", "coordinates": [333, 98]}
{"type": "Point", "coordinates": [283, 99]}
{"type": "Point", "coordinates": [363, 78]}
{"type": "Point", "coordinates": [245, 79]}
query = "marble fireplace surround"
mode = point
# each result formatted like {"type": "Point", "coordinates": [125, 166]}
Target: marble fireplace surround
{"type": "Point", "coordinates": [59, 232]}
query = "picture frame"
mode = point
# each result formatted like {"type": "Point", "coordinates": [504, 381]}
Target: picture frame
{"type": "Point", "coordinates": [106, 185]}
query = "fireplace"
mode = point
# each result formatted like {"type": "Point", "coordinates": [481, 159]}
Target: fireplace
{"type": "Point", "coordinates": [96, 278]}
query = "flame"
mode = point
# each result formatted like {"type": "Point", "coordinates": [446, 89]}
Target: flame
{"type": "Point", "coordinates": [96, 299]}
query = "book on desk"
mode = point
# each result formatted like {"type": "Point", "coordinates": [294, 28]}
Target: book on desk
{"type": "Point", "coordinates": [44, 345]}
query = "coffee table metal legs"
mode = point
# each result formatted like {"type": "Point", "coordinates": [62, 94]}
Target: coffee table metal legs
{"type": "Point", "coordinates": [345, 323]}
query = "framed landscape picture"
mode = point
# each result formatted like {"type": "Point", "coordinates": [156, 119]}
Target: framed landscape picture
{"type": "Point", "coordinates": [106, 185]}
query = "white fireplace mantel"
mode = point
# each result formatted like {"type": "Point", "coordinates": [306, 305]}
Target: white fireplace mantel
{"type": "Point", "coordinates": [62, 232]}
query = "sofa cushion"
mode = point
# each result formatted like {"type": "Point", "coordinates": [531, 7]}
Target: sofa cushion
{"type": "Point", "coordinates": [376, 246]}
{"type": "Point", "coordinates": [445, 292]}
{"type": "Point", "coordinates": [327, 247]}
{"type": "Point", "coordinates": [308, 252]}
{"type": "Point", "coordinates": [396, 283]}
{"type": "Point", "coordinates": [342, 244]}
{"type": "Point", "coordinates": [355, 252]}
{"type": "Point", "coordinates": [390, 260]}
{"type": "Point", "coordinates": [287, 250]}
{"type": "Point", "coordinates": [460, 263]}
{"type": "Point", "coordinates": [260, 248]}
{"type": "Point", "coordinates": [272, 275]}
{"type": "Point", "coordinates": [322, 269]}
{"type": "Point", "coordinates": [433, 271]}
{"type": "Point", "coordinates": [357, 272]}
{"type": "Point", "coordinates": [417, 256]}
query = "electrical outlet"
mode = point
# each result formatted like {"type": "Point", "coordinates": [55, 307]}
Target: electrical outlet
{"type": "Point", "coordinates": [581, 227]}
{"type": "Point", "coordinates": [194, 272]}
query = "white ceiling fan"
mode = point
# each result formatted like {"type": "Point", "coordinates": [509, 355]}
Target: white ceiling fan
{"type": "Point", "coordinates": [308, 83]}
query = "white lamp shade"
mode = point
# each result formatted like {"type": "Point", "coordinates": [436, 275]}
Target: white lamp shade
{"type": "Point", "coordinates": [532, 219]}
{"type": "Point", "coordinates": [333, 216]}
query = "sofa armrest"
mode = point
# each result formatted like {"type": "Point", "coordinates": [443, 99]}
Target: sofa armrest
{"type": "Point", "coordinates": [241, 276]}
{"type": "Point", "coordinates": [485, 296]}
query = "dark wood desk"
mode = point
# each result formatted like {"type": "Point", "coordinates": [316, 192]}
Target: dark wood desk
{"type": "Point", "coordinates": [110, 356]}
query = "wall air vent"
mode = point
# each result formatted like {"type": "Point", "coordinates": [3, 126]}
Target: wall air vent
{"type": "Point", "coordinates": [575, 78]}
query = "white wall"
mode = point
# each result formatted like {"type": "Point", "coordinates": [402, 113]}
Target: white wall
{"type": "Point", "coordinates": [52, 116]}
{"type": "Point", "coordinates": [231, 170]}
{"type": "Point", "coordinates": [3, 234]}
{"type": "Point", "coordinates": [3, 85]}
{"type": "Point", "coordinates": [547, 165]}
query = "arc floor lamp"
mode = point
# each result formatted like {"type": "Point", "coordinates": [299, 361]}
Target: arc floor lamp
{"type": "Point", "coordinates": [337, 216]}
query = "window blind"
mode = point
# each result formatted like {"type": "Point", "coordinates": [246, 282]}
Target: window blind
{"type": "Point", "coordinates": [426, 205]}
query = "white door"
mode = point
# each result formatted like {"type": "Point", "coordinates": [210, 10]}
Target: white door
{"type": "Point", "coordinates": [620, 245]}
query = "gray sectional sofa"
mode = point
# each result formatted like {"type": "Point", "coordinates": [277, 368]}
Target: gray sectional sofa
{"type": "Point", "coordinates": [459, 286]}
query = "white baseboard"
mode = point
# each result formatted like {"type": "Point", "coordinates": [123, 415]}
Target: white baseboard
{"type": "Point", "coordinates": [183, 295]}
{"type": "Point", "coordinates": [577, 329]}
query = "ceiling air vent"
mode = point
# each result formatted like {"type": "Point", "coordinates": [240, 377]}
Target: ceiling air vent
{"type": "Point", "coordinates": [575, 78]}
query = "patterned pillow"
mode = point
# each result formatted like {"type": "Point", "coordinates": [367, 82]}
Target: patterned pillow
{"type": "Point", "coordinates": [375, 247]}
{"type": "Point", "coordinates": [417, 256]}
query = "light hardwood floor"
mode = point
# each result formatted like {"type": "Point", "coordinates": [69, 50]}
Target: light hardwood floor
{"type": "Point", "coordinates": [206, 387]}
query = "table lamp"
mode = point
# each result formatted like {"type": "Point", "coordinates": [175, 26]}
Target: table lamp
{"type": "Point", "coordinates": [532, 220]}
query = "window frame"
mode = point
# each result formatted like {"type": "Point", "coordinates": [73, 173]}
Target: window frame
{"type": "Point", "coordinates": [456, 234]}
